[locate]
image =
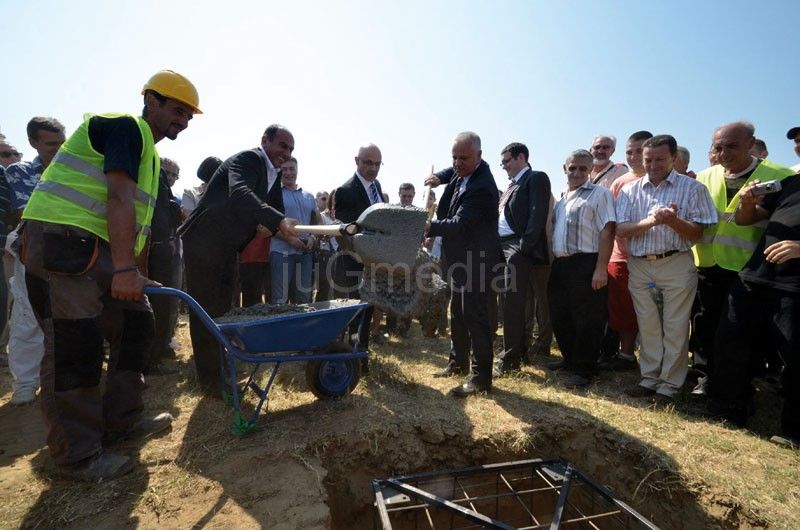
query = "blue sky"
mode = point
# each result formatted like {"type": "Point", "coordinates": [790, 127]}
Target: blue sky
{"type": "Point", "coordinates": [410, 75]}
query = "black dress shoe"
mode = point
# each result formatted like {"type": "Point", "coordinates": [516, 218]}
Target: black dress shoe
{"type": "Point", "coordinates": [501, 370]}
{"type": "Point", "coordinates": [449, 370]}
{"type": "Point", "coordinates": [470, 388]}
{"type": "Point", "coordinates": [556, 365]}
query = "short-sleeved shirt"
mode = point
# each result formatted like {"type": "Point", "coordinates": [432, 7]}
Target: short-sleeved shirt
{"type": "Point", "coordinates": [620, 252]}
{"type": "Point", "coordinates": [639, 198]}
{"type": "Point", "coordinates": [611, 173]}
{"type": "Point", "coordinates": [300, 205]}
{"type": "Point", "coordinates": [578, 218]}
{"type": "Point", "coordinates": [5, 206]}
{"type": "Point", "coordinates": [783, 225]}
{"type": "Point", "coordinates": [22, 178]}
{"type": "Point", "coordinates": [119, 141]}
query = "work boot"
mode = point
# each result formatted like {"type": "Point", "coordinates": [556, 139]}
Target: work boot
{"type": "Point", "coordinates": [101, 466]}
{"type": "Point", "coordinates": [144, 428]}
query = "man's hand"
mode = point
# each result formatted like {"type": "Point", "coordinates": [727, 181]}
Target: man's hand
{"type": "Point", "coordinates": [311, 243]}
{"type": "Point", "coordinates": [432, 181]}
{"type": "Point", "coordinates": [782, 251]}
{"type": "Point", "coordinates": [296, 243]}
{"type": "Point", "coordinates": [746, 195]}
{"type": "Point", "coordinates": [599, 278]}
{"type": "Point", "coordinates": [286, 228]}
{"type": "Point", "coordinates": [128, 286]}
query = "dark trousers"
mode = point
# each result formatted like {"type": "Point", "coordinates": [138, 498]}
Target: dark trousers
{"type": "Point", "coordinates": [209, 280]}
{"type": "Point", "coordinates": [166, 267]}
{"type": "Point", "coordinates": [323, 276]}
{"type": "Point", "coordinates": [578, 312]}
{"type": "Point", "coordinates": [713, 284]}
{"type": "Point", "coordinates": [347, 275]}
{"type": "Point", "coordinates": [515, 299]}
{"type": "Point", "coordinates": [256, 283]}
{"type": "Point", "coordinates": [471, 330]}
{"type": "Point", "coordinates": [537, 312]}
{"type": "Point", "coordinates": [76, 312]}
{"type": "Point", "coordinates": [753, 314]}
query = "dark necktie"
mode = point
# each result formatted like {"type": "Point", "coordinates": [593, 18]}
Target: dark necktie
{"type": "Point", "coordinates": [373, 191]}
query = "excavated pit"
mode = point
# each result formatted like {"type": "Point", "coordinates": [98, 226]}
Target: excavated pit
{"type": "Point", "coordinates": [631, 472]}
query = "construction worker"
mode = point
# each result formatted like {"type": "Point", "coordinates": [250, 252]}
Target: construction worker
{"type": "Point", "coordinates": [85, 229]}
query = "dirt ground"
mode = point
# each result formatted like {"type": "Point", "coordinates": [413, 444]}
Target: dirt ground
{"type": "Point", "coordinates": [309, 463]}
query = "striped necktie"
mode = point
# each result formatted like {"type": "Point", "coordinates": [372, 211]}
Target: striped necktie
{"type": "Point", "coordinates": [507, 194]}
{"type": "Point", "coordinates": [373, 191]}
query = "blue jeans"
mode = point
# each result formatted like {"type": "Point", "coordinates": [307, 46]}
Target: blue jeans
{"type": "Point", "coordinates": [291, 271]}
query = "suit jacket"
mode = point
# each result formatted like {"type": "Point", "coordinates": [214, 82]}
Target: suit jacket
{"type": "Point", "coordinates": [351, 199]}
{"type": "Point", "coordinates": [469, 226]}
{"type": "Point", "coordinates": [526, 213]}
{"type": "Point", "coordinates": [236, 201]}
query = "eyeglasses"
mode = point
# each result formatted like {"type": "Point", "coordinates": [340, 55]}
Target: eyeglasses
{"type": "Point", "coordinates": [323, 199]}
{"type": "Point", "coordinates": [9, 154]}
{"type": "Point", "coordinates": [506, 161]}
{"type": "Point", "coordinates": [172, 174]}
{"type": "Point", "coordinates": [370, 163]}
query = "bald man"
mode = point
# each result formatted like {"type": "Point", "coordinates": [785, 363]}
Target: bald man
{"type": "Point", "coordinates": [360, 192]}
{"type": "Point", "coordinates": [725, 247]}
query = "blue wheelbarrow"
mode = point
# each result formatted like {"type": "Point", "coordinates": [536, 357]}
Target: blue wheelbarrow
{"type": "Point", "coordinates": [333, 367]}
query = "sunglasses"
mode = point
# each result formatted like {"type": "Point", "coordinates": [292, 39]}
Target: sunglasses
{"type": "Point", "coordinates": [9, 154]}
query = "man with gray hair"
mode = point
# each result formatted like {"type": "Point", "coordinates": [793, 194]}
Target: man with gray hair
{"type": "Point", "coordinates": [604, 171]}
{"type": "Point", "coordinates": [682, 162]}
{"type": "Point", "coordinates": [583, 237]}
{"type": "Point", "coordinates": [725, 246]}
{"type": "Point", "coordinates": [466, 219]}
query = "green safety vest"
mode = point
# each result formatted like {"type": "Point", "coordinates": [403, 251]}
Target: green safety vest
{"type": "Point", "coordinates": [725, 243]}
{"type": "Point", "coordinates": [73, 190]}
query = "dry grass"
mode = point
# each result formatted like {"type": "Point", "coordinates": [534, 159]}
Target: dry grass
{"type": "Point", "coordinates": [200, 473]}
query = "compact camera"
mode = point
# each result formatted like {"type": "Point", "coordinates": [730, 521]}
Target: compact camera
{"type": "Point", "coordinates": [765, 188]}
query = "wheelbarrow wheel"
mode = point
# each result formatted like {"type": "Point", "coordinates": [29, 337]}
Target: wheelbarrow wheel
{"type": "Point", "coordinates": [335, 378]}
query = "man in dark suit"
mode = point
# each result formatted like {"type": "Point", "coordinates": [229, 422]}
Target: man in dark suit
{"type": "Point", "coordinates": [352, 198]}
{"type": "Point", "coordinates": [466, 219]}
{"type": "Point", "coordinates": [243, 199]}
{"type": "Point", "coordinates": [522, 229]}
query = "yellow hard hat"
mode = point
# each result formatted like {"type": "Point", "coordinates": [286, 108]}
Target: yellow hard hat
{"type": "Point", "coordinates": [173, 85]}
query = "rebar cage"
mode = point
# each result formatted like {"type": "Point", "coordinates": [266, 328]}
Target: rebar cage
{"type": "Point", "coordinates": [526, 494]}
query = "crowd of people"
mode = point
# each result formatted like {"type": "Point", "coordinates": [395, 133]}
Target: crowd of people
{"type": "Point", "coordinates": [701, 271]}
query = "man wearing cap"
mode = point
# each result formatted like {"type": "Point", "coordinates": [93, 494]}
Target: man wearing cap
{"type": "Point", "coordinates": [85, 229]}
{"type": "Point", "coordinates": [794, 134]}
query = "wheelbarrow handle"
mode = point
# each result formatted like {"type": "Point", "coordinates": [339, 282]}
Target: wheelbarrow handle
{"type": "Point", "coordinates": [349, 229]}
{"type": "Point", "coordinates": [196, 308]}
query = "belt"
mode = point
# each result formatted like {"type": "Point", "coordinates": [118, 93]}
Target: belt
{"type": "Point", "coordinates": [653, 257]}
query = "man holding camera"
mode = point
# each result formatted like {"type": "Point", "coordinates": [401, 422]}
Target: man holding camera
{"type": "Point", "coordinates": [725, 246]}
{"type": "Point", "coordinates": [764, 301]}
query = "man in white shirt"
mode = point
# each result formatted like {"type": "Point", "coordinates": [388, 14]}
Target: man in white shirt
{"type": "Point", "coordinates": [583, 236]}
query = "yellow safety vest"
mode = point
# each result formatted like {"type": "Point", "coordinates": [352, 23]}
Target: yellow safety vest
{"type": "Point", "coordinates": [727, 244]}
{"type": "Point", "coordinates": [73, 190]}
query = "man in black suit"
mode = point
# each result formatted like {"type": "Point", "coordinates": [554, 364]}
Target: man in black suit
{"type": "Point", "coordinates": [522, 229]}
{"type": "Point", "coordinates": [243, 199]}
{"type": "Point", "coordinates": [466, 219]}
{"type": "Point", "coordinates": [360, 192]}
